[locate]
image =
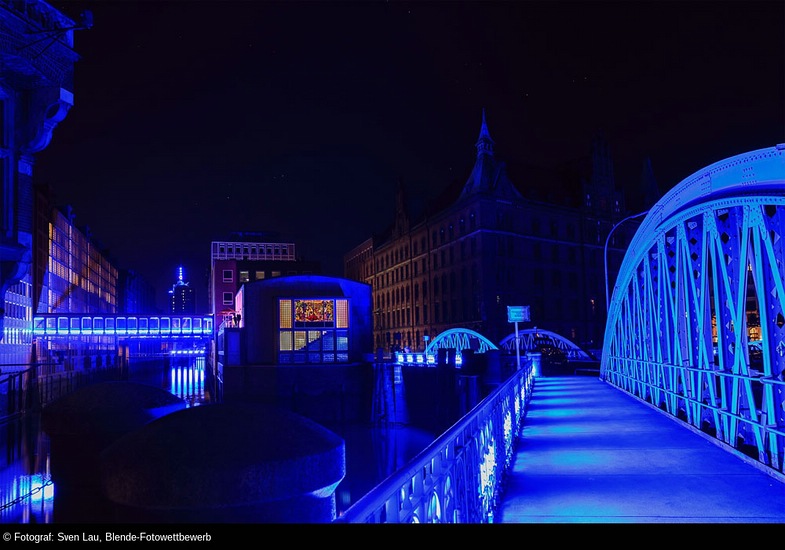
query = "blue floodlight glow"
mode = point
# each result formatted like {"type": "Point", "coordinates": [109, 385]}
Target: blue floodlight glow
{"type": "Point", "coordinates": [418, 359]}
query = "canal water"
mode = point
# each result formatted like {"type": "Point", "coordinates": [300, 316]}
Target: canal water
{"type": "Point", "coordinates": [28, 495]}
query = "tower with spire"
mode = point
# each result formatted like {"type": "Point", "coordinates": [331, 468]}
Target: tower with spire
{"type": "Point", "coordinates": [600, 196]}
{"type": "Point", "coordinates": [489, 175]}
{"type": "Point", "coordinates": [651, 190]}
{"type": "Point", "coordinates": [401, 224]}
{"type": "Point", "coordinates": [182, 295]}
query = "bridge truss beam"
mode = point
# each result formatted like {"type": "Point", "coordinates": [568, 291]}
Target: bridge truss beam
{"type": "Point", "coordinates": [696, 324]}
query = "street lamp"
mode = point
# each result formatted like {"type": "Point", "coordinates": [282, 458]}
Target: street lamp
{"type": "Point", "coordinates": [607, 240]}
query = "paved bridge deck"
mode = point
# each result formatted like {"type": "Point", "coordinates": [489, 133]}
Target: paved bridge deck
{"type": "Point", "coordinates": [590, 453]}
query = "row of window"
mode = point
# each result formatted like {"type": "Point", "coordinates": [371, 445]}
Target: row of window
{"type": "Point", "coordinates": [450, 312]}
{"type": "Point", "coordinates": [254, 251]}
{"type": "Point", "coordinates": [245, 276]}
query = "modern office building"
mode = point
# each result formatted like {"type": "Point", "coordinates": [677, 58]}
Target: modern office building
{"type": "Point", "coordinates": [73, 273]}
{"type": "Point", "coordinates": [244, 258]}
{"type": "Point", "coordinates": [181, 295]}
{"type": "Point", "coordinates": [486, 245]}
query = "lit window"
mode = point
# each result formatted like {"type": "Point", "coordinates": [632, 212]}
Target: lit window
{"type": "Point", "coordinates": [316, 337]}
{"type": "Point", "coordinates": [244, 277]}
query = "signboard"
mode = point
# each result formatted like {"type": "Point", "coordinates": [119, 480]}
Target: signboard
{"type": "Point", "coordinates": [517, 314]}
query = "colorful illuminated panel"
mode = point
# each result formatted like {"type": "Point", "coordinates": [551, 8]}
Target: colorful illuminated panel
{"type": "Point", "coordinates": [317, 340]}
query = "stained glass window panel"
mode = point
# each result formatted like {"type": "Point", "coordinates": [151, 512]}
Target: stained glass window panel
{"type": "Point", "coordinates": [342, 313]}
{"type": "Point", "coordinates": [285, 313]}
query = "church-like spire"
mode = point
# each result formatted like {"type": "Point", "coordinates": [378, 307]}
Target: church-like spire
{"type": "Point", "coordinates": [488, 176]}
{"type": "Point", "coordinates": [651, 190]}
{"type": "Point", "coordinates": [401, 226]}
{"type": "Point", "coordinates": [484, 142]}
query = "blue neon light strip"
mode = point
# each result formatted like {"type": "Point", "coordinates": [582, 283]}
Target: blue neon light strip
{"type": "Point", "coordinates": [122, 325]}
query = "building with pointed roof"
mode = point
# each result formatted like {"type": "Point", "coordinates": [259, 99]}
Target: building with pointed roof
{"type": "Point", "coordinates": [489, 247]}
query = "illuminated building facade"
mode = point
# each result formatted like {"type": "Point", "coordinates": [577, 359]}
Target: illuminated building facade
{"type": "Point", "coordinates": [245, 259]}
{"type": "Point", "coordinates": [79, 277]}
{"type": "Point", "coordinates": [36, 93]}
{"type": "Point", "coordinates": [303, 343]}
{"type": "Point", "coordinates": [305, 319]}
{"type": "Point", "coordinates": [485, 246]}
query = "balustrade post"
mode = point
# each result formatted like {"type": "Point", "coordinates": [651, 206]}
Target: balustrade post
{"type": "Point", "coordinates": [32, 381]}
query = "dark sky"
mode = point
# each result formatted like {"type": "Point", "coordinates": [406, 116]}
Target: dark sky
{"type": "Point", "coordinates": [194, 119]}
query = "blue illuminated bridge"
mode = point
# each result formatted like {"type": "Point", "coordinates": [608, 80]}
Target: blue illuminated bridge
{"type": "Point", "coordinates": [685, 422]}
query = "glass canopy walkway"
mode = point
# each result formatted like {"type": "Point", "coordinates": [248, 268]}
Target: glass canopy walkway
{"type": "Point", "coordinates": [141, 326]}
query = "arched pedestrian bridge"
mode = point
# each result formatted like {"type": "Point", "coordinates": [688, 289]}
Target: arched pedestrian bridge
{"type": "Point", "coordinates": [695, 336]}
{"type": "Point", "coordinates": [696, 323]}
{"type": "Point", "coordinates": [461, 339]}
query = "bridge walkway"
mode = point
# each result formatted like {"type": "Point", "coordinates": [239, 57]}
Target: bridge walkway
{"type": "Point", "coordinates": [590, 453]}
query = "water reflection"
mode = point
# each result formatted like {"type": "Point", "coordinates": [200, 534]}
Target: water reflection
{"type": "Point", "coordinates": [187, 378]}
{"type": "Point", "coordinates": [26, 489]}
{"type": "Point", "coordinates": [27, 492]}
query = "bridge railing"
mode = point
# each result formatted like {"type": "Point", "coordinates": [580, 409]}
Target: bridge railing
{"type": "Point", "coordinates": [458, 478]}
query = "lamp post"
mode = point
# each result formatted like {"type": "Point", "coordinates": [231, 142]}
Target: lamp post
{"type": "Point", "coordinates": [607, 240]}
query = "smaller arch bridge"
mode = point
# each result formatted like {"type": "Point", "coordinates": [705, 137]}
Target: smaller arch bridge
{"type": "Point", "coordinates": [460, 339]}
{"type": "Point", "coordinates": [528, 338]}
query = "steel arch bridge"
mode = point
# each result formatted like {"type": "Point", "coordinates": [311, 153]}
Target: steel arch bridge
{"type": "Point", "coordinates": [527, 338]}
{"type": "Point", "coordinates": [460, 339]}
{"type": "Point", "coordinates": [696, 323]}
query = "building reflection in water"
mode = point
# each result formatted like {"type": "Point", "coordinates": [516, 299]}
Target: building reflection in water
{"type": "Point", "coordinates": [187, 379]}
{"type": "Point", "coordinates": [27, 492]}
{"type": "Point", "coordinates": [26, 488]}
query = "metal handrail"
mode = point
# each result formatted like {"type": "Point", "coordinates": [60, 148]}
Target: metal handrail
{"type": "Point", "coordinates": [459, 477]}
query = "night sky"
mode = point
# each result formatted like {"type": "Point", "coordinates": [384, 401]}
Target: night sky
{"type": "Point", "coordinates": [195, 119]}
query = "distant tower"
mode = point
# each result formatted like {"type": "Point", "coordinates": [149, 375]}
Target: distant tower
{"type": "Point", "coordinates": [182, 295]}
{"type": "Point", "coordinates": [651, 190]}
